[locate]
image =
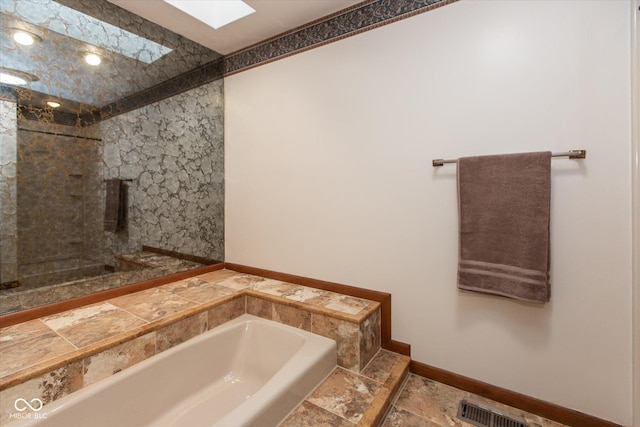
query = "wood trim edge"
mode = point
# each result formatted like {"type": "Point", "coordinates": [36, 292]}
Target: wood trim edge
{"type": "Point", "coordinates": [181, 255]}
{"type": "Point", "coordinates": [382, 297]}
{"type": "Point", "coordinates": [58, 307]}
{"type": "Point", "coordinates": [400, 348]}
{"type": "Point", "coordinates": [526, 403]}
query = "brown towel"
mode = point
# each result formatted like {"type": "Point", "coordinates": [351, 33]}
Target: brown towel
{"type": "Point", "coordinates": [504, 205]}
{"type": "Point", "coordinates": [115, 211]}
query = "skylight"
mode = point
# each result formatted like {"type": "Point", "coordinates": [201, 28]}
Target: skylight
{"type": "Point", "coordinates": [70, 22]}
{"type": "Point", "coordinates": [214, 13]}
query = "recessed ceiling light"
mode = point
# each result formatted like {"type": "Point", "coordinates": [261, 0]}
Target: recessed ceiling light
{"type": "Point", "coordinates": [92, 59]}
{"type": "Point", "coordinates": [25, 37]}
{"type": "Point", "coordinates": [15, 78]}
{"type": "Point", "coordinates": [53, 104]}
{"type": "Point", "coordinates": [10, 79]}
{"type": "Point", "coordinates": [214, 13]}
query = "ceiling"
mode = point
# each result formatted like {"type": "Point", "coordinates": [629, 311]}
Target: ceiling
{"type": "Point", "coordinates": [57, 59]}
{"type": "Point", "coordinates": [272, 17]}
{"type": "Point", "coordinates": [166, 44]}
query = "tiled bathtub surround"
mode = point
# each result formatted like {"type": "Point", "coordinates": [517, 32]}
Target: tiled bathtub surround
{"type": "Point", "coordinates": [58, 354]}
{"type": "Point", "coordinates": [357, 339]}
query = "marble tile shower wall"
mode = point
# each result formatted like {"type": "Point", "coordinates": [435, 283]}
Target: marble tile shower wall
{"type": "Point", "coordinates": [174, 153]}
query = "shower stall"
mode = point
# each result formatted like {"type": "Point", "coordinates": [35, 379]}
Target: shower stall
{"type": "Point", "coordinates": [60, 205]}
{"type": "Point", "coordinates": [54, 244]}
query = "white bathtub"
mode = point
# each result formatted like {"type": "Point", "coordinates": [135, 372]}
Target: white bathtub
{"type": "Point", "coordinates": [247, 372]}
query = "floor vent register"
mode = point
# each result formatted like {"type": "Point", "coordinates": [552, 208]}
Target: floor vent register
{"type": "Point", "coordinates": [483, 415]}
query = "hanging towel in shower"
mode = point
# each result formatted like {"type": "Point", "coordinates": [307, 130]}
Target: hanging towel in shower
{"type": "Point", "coordinates": [115, 211]}
{"type": "Point", "coordinates": [504, 207]}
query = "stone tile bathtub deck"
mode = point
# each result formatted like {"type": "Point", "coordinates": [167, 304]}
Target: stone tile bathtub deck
{"type": "Point", "coordinates": [55, 355]}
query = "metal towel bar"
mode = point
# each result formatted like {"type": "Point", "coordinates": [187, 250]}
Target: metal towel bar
{"type": "Point", "coordinates": [572, 154]}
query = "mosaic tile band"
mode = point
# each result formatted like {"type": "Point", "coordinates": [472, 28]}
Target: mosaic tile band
{"type": "Point", "coordinates": [363, 17]}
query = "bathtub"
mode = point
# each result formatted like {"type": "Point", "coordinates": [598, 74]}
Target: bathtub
{"type": "Point", "coordinates": [246, 372]}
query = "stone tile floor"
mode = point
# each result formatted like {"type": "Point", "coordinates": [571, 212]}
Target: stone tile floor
{"type": "Point", "coordinates": [348, 399]}
{"type": "Point", "coordinates": [422, 402]}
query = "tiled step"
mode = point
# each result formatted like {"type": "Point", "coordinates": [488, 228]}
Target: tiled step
{"type": "Point", "coordinates": [347, 399]}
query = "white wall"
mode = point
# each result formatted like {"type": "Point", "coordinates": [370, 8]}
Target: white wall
{"type": "Point", "coordinates": [328, 175]}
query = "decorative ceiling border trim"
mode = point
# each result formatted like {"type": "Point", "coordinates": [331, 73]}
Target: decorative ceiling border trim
{"type": "Point", "coordinates": [188, 80]}
{"type": "Point", "coordinates": [199, 76]}
{"type": "Point", "coordinates": [346, 23]}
